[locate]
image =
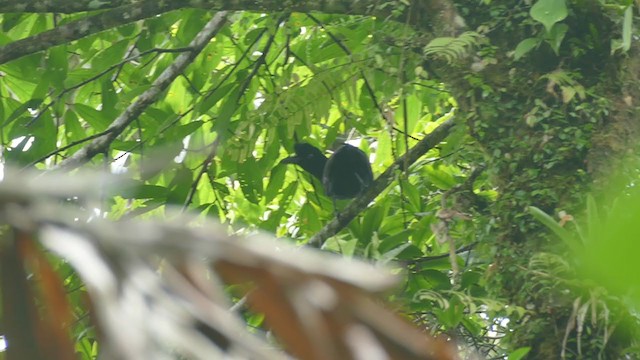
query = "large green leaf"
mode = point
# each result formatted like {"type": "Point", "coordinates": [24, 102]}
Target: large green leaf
{"type": "Point", "coordinates": [525, 46]}
{"type": "Point", "coordinates": [97, 119]}
{"type": "Point", "coordinates": [549, 12]}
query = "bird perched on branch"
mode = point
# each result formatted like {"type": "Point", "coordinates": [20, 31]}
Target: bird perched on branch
{"type": "Point", "coordinates": [344, 175]}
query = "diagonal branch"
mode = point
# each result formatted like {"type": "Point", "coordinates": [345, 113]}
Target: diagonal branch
{"type": "Point", "coordinates": [383, 181]}
{"type": "Point", "coordinates": [81, 28]}
{"type": "Point", "coordinates": [147, 98]}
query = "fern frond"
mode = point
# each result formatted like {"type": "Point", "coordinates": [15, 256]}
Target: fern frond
{"type": "Point", "coordinates": [451, 49]}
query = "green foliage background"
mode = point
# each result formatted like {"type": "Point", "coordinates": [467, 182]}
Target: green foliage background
{"type": "Point", "coordinates": [528, 85]}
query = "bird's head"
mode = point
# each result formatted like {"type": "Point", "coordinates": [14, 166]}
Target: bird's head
{"type": "Point", "coordinates": [309, 158]}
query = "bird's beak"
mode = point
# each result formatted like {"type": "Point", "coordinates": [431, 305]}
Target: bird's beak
{"type": "Point", "coordinates": [290, 160]}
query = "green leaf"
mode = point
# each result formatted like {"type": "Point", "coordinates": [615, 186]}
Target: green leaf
{"type": "Point", "coordinates": [226, 111]}
{"type": "Point", "coordinates": [612, 254]}
{"type": "Point", "coordinates": [180, 132]}
{"type": "Point", "coordinates": [276, 180]}
{"type": "Point", "coordinates": [73, 128]}
{"type": "Point", "coordinates": [383, 156]}
{"type": "Point", "coordinates": [474, 328]}
{"type": "Point", "coordinates": [113, 53]}
{"type": "Point", "coordinates": [192, 22]}
{"type": "Point", "coordinates": [317, 50]}
{"type": "Point", "coordinates": [436, 279]}
{"type": "Point", "coordinates": [393, 253]}
{"type": "Point", "coordinates": [151, 192]}
{"type": "Point", "coordinates": [552, 225]}
{"type": "Point", "coordinates": [138, 190]}
{"type": "Point", "coordinates": [93, 117]}
{"type": "Point", "coordinates": [372, 220]}
{"type": "Point", "coordinates": [413, 197]}
{"type": "Point", "coordinates": [39, 25]}
{"type": "Point", "coordinates": [452, 315]}
{"type": "Point", "coordinates": [525, 46]}
{"type": "Point", "coordinates": [276, 217]}
{"type": "Point", "coordinates": [441, 176]}
{"type": "Point", "coordinates": [421, 233]}
{"type": "Point", "coordinates": [594, 223]}
{"type": "Point", "coordinates": [109, 99]}
{"type": "Point", "coordinates": [250, 178]}
{"type": "Point", "coordinates": [45, 132]}
{"type": "Point", "coordinates": [519, 353]}
{"type": "Point", "coordinates": [556, 35]}
{"type": "Point", "coordinates": [400, 240]}
{"type": "Point", "coordinates": [309, 219]}
{"type": "Point", "coordinates": [626, 28]}
{"type": "Point", "coordinates": [180, 186]}
{"type": "Point", "coordinates": [413, 112]}
{"type": "Point", "coordinates": [11, 20]}
{"type": "Point", "coordinates": [57, 65]}
{"type": "Point", "coordinates": [31, 104]}
{"type": "Point", "coordinates": [549, 12]}
{"type": "Point", "coordinates": [469, 278]}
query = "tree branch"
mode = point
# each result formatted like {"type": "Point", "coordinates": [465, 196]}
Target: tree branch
{"type": "Point", "coordinates": [81, 28]}
{"type": "Point", "coordinates": [134, 110]}
{"type": "Point", "coordinates": [59, 6]}
{"type": "Point", "coordinates": [70, 6]}
{"type": "Point", "coordinates": [382, 182]}
{"type": "Point", "coordinates": [205, 167]}
{"type": "Point", "coordinates": [439, 16]}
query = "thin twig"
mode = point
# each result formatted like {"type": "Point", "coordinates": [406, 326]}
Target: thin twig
{"type": "Point", "coordinates": [205, 167]}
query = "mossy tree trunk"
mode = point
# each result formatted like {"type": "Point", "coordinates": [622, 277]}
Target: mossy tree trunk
{"type": "Point", "coordinates": [553, 127]}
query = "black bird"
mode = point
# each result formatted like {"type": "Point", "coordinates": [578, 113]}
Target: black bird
{"type": "Point", "coordinates": [344, 175]}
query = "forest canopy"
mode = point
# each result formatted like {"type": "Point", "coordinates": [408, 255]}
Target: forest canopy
{"type": "Point", "coordinates": [144, 141]}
